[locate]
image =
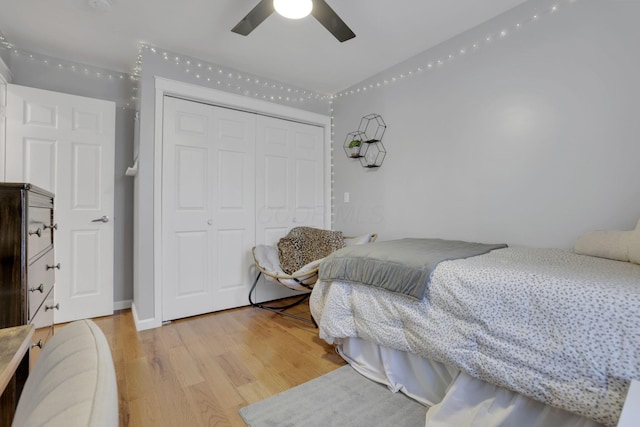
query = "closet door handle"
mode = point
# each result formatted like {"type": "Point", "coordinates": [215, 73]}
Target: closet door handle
{"type": "Point", "coordinates": [53, 227]}
{"type": "Point", "coordinates": [104, 218]}
{"type": "Point", "coordinates": [38, 232]}
{"type": "Point", "coordinates": [49, 267]}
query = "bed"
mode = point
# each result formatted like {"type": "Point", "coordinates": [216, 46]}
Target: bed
{"type": "Point", "coordinates": [511, 335]}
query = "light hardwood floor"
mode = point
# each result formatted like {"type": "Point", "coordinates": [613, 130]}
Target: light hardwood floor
{"type": "Point", "coordinates": [199, 371]}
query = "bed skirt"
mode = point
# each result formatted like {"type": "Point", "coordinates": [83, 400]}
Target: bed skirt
{"type": "Point", "coordinates": [453, 398]}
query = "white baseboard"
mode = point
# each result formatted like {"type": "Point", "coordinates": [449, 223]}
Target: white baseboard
{"type": "Point", "coordinates": [122, 305]}
{"type": "Point", "coordinates": [143, 324]}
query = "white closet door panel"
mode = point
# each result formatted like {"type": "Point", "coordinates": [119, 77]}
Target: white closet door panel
{"type": "Point", "coordinates": [234, 215]}
{"type": "Point", "coordinates": [208, 207]}
{"type": "Point", "coordinates": [309, 175]}
{"type": "Point", "coordinates": [65, 144]}
{"type": "Point", "coordinates": [232, 275]}
{"type": "Point", "coordinates": [275, 184]}
{"type": "Point", "coordinates": [305, 197]}
{"type": "Point", "coordinates": [192, 254]}
{"type": "Point", "coordinates": [290, 171]}
{"type": "Point", "coordinates": [231, 182]}
{"type": "Point", "coordinates": [273, 234]}
{"type": "Point", "coordinates": [191, 179]}
{"type": "Point", "coordinates": [187, 200]}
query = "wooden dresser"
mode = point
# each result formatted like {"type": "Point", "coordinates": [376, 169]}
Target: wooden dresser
{"type": "Point", "coordinates": [27, 273]}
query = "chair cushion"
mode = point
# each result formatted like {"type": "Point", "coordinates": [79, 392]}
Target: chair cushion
{"type": "Point", "coordinates": [73, 382]}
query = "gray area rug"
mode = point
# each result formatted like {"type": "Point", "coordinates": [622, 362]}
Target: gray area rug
{"type": "Point", "coordinates": [340, 398]}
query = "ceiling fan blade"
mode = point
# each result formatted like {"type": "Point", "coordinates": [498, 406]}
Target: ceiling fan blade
{"type": "Point", "coordinates": [331, 21]}
{"type": "Point", "coordinates": [254, 18]}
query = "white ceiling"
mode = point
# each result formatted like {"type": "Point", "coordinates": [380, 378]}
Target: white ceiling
{"type": "Point", "coordinates": [301, 53]}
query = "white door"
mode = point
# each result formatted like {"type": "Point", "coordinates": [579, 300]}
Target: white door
{"type": "Point", "coordinates": [65, 144]}
{"type": "Point", "coordinates": [208, 207]}
{"type": "Point", "coordinates": [290, 172]}
{"type": "Point", "coordinates": [289, 185]}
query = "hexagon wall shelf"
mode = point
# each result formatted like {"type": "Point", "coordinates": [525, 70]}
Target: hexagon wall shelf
{"type": "Point", "coordinates": [373, 127]}
{"type": "Point", "coordinates": [370, 150]}
{"type": "Point", "coordinates": [372, 154]}
{"type": "Point", "coordinates": [352, 150]}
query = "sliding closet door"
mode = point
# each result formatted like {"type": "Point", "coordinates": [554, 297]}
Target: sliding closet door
{"type": "Point", "coordinates": [290, 168]}
{"type": "Point", "coordinates": [208, 207]}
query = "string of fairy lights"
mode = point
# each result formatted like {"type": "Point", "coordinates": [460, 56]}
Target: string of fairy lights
{"type": "Point", "coordinates": [440, 61]}
{"type": "Point", "coordinates": [250, 85]}
{"type": "Point", "coordinates": [431, 64]}
{"type": "Point", "coordinates": [231, 80]}
{"type": "Point", "coordinates": [81, 70]}
{"type": "Point", "coordinates": [246, 84]}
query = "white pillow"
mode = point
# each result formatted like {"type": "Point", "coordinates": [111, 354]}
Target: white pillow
{"type": "Point", "coordinates": [605, 244]}
{"type": "Point", "coordinates": [358, 240]}
{"type": "Point", "coordinates": [634, 245]}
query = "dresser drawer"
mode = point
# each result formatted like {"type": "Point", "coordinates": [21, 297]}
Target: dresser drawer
{"type": "Point", "coordinates": [43, 318]}
{"type": "Point", "coordinates": [39, 231]}
{"type": "Point", "coordinates": [41, 334]}
{"type": "Point", "coordinates": [40, 277]}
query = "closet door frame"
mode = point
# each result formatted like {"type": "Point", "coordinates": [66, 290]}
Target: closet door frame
{"type": "Point", "coordinates": [192, 92]}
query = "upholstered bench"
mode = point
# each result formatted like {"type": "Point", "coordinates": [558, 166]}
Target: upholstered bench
{"type": "Point", "coordinates": [73, 382]}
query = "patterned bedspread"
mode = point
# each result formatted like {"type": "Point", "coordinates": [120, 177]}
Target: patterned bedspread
{"type": "Point", "coordinates": [558, 327]}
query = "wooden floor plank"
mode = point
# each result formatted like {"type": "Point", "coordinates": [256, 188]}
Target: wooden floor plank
{"type": "Point", "coordinates": [200, 371]}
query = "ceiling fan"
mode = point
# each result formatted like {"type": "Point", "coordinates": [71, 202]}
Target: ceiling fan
{"type": "Point", "coordinates": [320, 10]}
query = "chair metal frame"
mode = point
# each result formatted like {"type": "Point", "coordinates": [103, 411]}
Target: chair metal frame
{"type": "Point", "coordinates": [301, 278]}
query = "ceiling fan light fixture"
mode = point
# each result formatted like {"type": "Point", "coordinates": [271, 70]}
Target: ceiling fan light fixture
{"type": "Point", "coordinates": [293, 9]}
{"type": "Point", "coordinates": [100, 5]}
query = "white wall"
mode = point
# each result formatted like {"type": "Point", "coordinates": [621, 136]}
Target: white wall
{"type": "Point", "coordinates": [531, 139]}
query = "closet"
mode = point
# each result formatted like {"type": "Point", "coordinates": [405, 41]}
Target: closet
{"type": "Point", "coordinates": [230, 179]}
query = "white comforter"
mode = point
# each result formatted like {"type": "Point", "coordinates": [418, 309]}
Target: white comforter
{"type": "Point", "coordinates": [559, 327]}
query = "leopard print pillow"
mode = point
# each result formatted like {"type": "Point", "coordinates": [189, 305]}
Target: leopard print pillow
{"type": "Point", "coordinates": [305, 244]}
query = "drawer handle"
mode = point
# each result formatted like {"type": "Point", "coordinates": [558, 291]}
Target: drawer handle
{"type": "Point", "coordinates": [51, 307]}
{"type": "Point", "coordinates": [49, 267]}
{"type": "Point", "coordinates": [38, 344]}
{"type": "Point", "coordinates": [38, 232]}
{"type": "Point", "coordinates": [39, 288]}
{"type": "Point", "coordinates": [53, 227]}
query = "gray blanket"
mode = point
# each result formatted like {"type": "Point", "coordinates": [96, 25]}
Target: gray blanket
{"type": "Point", "coordinates": [402, 266]}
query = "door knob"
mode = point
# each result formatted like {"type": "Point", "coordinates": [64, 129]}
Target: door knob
{"type": "Point", "coordinates": [104, 218]}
